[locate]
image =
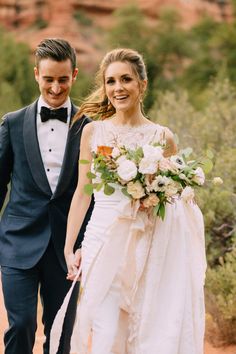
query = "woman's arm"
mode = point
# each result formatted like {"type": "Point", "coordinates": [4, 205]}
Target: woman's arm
{"type": "Point", "coordinates": [171, 147]}
{"type": "Point", "coordinates": [79, 204]}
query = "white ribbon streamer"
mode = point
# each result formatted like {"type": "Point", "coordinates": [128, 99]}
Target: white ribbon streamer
{"type": "Point", "coordinates": [56, 329]}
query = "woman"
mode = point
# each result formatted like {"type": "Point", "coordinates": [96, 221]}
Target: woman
{"type": "Point", "coordinates": [142, 278]}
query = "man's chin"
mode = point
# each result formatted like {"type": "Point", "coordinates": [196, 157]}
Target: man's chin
{"type": "Point", "coordinates": [56, 102]}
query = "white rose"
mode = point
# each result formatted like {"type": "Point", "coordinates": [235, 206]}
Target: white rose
{"type": "Point", "coordinates": [115, 152]}
{"type": "Point", "coordinates": [135, 189]}
{"type": "Point", "coordinates": [187, 194]}
{"type": "Point", "coordinates": [172, 189]}
{"type": "Point", "coordinates": [199, 176]}
{"type": "Point", "coordinates": [155, 152]}
{"type": "Point", "coordinates": [151, 200]}
{"type": "Point", "coordinates": [217, 181]}
{"type": "Point", "coordinates": [178, 161]}
{"type": "Point", "coordinates": [160, 183]}
{"type": "Point", "coordinates": [165, 165]}
{"type": "Point", "coordinates": [127, 170]}
{"type": "Point", "coordinates": [121, 159]}
{"type": "Point", "coordinates": [147, 165]}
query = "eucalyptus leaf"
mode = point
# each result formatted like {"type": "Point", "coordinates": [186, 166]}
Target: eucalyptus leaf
{"type": "Point", "coordinates": [91, 175]}
{"type": "Point", "coordinates": [124, 191]}
{"type": "Point", "coordinates": [99, 186]}
{"type": "Point", "coordinates": [209, 154]}
{"type": "Point", "coordinates": [162, 211]}
{"type": "Point", "coordinates": [88, 189]}
{"type": "Point", "coordinates": [84, 162]}
{"type": "Point", "coordinates": [156, 209]}
{"type": "Point", "coordinates": [176, 139]}
{"type": "Point", "coordinates": [186, 152]}
{"type": "Point", "coordinates": [207, 165]}
{"type": "Point", "coordinates": [108, 190]}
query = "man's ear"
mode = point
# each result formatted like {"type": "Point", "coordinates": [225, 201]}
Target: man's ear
{"type": "Point", "coordinates": [36, 73]}
{"type": "Point", "coordinates": [75, 73]}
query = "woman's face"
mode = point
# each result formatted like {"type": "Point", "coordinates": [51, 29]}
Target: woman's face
{"type": "Point", "coordinates": [122, 86]}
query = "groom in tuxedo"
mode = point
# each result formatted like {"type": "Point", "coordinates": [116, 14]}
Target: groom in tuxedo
{"type": "Point", "coordinates": [39, 153]}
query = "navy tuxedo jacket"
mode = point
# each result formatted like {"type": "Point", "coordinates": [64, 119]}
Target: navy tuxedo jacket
{"type": "Point", "coordinates": [33, 214]}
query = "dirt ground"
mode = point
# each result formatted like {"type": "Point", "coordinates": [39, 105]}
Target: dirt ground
{"type": "Point", "coordinates": [39, 335]}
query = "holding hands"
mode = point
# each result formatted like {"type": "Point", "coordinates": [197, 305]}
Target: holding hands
{"type": "Point", "coordinates": [73, 261]}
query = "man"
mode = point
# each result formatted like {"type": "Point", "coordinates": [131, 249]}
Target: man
{"type": "Point", "coordinates": [39, 152]}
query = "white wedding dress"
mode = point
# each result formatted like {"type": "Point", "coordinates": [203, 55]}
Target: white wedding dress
{"type": "Point", "coordinates": [142, 278]}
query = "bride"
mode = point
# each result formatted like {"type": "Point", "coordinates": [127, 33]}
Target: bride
{"type": "Point", "coordinates": [142, 278]}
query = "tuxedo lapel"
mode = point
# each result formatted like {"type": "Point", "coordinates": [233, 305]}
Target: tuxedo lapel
{"type": "Point", "coordinates": [32, 149]}
{"type": "Point", "coordinates": [71, 154]}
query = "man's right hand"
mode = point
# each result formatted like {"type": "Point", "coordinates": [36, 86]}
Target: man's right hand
{"type": "Point", "coordinates": [73, 261]}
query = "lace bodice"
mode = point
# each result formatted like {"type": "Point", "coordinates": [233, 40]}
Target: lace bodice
{"type": "Point", "coordinates": [107, 133]}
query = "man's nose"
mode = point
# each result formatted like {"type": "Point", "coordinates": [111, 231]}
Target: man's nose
{"type": "Point", "coordinates": [56, 87]}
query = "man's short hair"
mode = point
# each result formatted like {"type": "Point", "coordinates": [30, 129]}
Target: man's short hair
{"type": "Point", "coordinates": [55, 49]}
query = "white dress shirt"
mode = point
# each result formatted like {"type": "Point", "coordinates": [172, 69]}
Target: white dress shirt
{"type": "Point", "coordinates": [52, 137]}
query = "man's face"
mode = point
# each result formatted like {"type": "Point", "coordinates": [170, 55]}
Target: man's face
{"type": "Point", "coordinates": [55, 80]}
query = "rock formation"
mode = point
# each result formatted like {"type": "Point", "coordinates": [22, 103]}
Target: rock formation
{"type": "Point", "coordinates": [32, 20]}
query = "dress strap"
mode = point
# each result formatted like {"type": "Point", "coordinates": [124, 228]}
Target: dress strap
{"type": "Point", "coordinates": [98, 136]}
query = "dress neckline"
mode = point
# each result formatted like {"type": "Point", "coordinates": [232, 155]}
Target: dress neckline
{"type": "Point", "coordinates": [129, 127]}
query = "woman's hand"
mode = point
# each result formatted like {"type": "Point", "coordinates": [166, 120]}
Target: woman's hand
{"type": "Point", "coordinates": [73, 261]}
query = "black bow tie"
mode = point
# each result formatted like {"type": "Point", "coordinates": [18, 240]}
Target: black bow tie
{"type": "Point", "coordinates": [60, 114]}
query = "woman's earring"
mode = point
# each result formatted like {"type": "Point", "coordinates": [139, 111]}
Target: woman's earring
{"type": "Point", "coordinates": [108, 102]}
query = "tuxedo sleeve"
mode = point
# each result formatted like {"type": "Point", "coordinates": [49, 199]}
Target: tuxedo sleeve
{"type": "Point", "coordinates": [6, 159]}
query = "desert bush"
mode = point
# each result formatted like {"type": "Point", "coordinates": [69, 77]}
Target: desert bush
{"type": "Point", "coordinates": [17, 86]}
{"type": "Point", "coordinates": [212, 127]}
{"type": "Point", "coordinates": [221, 300]}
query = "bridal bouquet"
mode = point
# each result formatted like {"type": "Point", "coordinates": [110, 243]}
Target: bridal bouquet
{"type": "Point", "coordinates": [144, 174]}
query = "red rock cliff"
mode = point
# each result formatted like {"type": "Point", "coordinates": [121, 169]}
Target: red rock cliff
{"type": "Point", "coordinates": [33, 20]}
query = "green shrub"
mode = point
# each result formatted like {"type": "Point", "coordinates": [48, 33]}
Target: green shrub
{"type": "Point", "coordinates": [82, 18]}
{"type": "Point", "coordinates": [40, 23]}
{"type": "Point", "coordinates": [221, 298]}
{"type": "Point", "coordinates": [17, 86]}
{"type": "Point", "coordinates": [213, 126]}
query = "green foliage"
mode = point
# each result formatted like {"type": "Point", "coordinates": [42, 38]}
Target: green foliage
{"type": "Point", "coordinates": [204, 64]}
{"type": "Point", "coordinates": [17, 86]}
{"type": "Point", "coordinates": [40, 23]}
{"type": "Point", "coordinates": [188, 92]}
{"type": "Point", "coordinates": [176, 57]}
{"type": "Point", "coordinates": [7, 92]}
{"type": "Point", "coordinates": [221, 285]}
{"type": "Point", "coordinates": [212, 126]}
{"type": "Point", "coordinates": [129, 29]}
{"type": "Point", "coordinates": [82, 18]}
{"type": "Point", "coordinates": [81, 87]}
{"type": "Point", "coordinates": [164, 46]}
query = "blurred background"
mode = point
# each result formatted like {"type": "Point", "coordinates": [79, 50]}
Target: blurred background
{"type": "Point", "coordinates": [189, 47]}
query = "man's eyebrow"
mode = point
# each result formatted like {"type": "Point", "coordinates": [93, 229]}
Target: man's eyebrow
{"type": "Point", "coordinates": [51, 77]}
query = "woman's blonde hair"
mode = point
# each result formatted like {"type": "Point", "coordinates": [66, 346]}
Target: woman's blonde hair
{"type": "Point", "coordinates": [96, 105]}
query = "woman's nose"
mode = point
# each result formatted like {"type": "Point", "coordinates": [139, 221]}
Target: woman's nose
{"type": "Point", "coordinates": [118, 86]}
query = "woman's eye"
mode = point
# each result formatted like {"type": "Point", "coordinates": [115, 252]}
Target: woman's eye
{"type": "Point", "coordinates": [127, 79]}
{"type": "Point", "coordinates": [110, 81]}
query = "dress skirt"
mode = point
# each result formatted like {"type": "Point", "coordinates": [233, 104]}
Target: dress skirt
{"type": "Point", "coordinates": [142, 280]}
